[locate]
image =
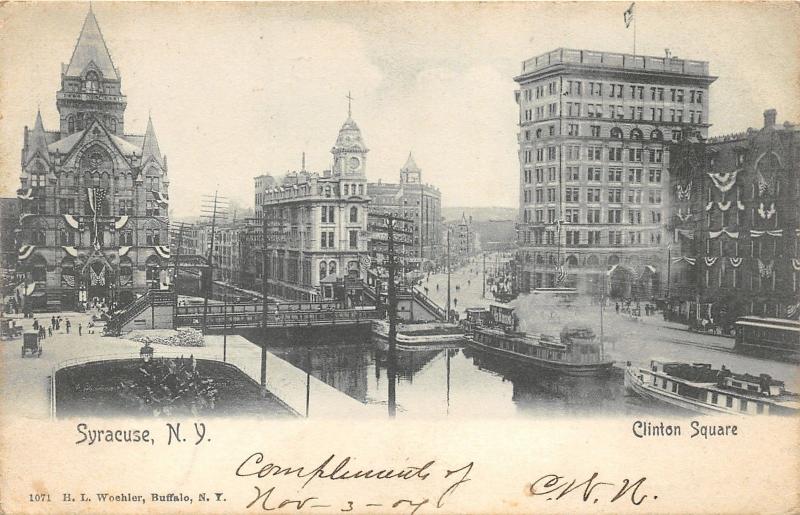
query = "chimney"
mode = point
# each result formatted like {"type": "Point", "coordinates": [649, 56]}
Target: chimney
{"type": "Point", "coordinates": [770, 115]}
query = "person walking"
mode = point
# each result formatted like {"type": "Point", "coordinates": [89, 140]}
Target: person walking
{"type": "Point", "coordinates": [80, 329]}
{"type": "Point", "coordinates": [35, 324]}
{"type": "Point", "coordinates": [50, 332]}
{"type": "Point", "coordinates": [67, 324]}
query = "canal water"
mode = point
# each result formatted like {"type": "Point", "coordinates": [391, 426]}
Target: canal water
{"type": "Point", "coordinates": [462, 382]}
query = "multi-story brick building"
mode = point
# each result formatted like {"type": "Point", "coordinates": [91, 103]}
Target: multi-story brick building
{"type": "Point", "coordinates": [734, 222]}
{"type": "Point", "coordinates": [416, 201]}
{"type": "Point", "coordinates": [315, 225]}
{"type": "Point", "coordinates": [93, 198]}
{"type": "Point", "coordinates": [594, 131]}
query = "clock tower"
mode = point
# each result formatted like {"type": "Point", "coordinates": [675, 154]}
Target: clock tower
{"type": "Point", "coordinates": [349, 151]}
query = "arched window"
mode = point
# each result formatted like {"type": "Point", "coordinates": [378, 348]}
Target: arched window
{"type": "Point", "coordinates": [592, 261]}
{"type": "Point", "coordinates": [323, 269]}
{"type": "Point", "coordinates": [354, 214]}
{"type": "Point", "coordinates": [332, 268]}
{"type": "Point", "coordinates": [616, 133]}
{"type": "Point", "coordinates": [70, 124]}
{"type": "Point", "coordinates": [656, 135]}
{"type": "Point", "coordinates": [572, 260]}
{"type": "Point", "coordinates": [92, 83]}
{"type": "Point", "coordinates": [613, 259]}
{"type": "Point", "coordinates": [636, 134]}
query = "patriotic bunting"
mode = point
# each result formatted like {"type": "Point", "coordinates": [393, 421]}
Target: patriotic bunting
{"type": "Point", "coordinates": [689, 260]}
{"type": "Point", "coordinates": [724, 206]}
{"type": "Point", "coordinates": [717, 234]}
{"type": "Point", "coordinates": [684, 217]}
{"type": "Point", "coordinates": [25, 252]}
{"type": "Point", "coordinates": [710, 260]}
{"type": "Point", "coordinates": [768, 213]}
{"type": "Point", "coordinates": [740, 205]}
{"type": "Point", "coordinates": [160, 198]}
{"type": "Point", "coordinates": [735, 261]}
{"type": "Point", "coordinates": [796, 264]}
{"type": "Point", "coordinates": [26, 195]}
{"type": "Point", "coordinates": [765, 269]}
{"type": "Point", "coordinates": [162, 251]}
{"type": "Point", "coordinates": [68, 280]}
{"type": "Point", "coordinates": [684, 192]}
{"type": "Point", "coordinates": [71, 221]}
{"type": "Point", "coordinates": [96, 198]}
{"type": "Point", "coordinates": [686, 233]}
{"type": "Point", "coordinates": [96, 279]}
{"type": "Point", "coordinates": [709, 205]}
{"type": "Point", "coordinates": [366, 263]}
{"type": "Point", "coordinates": [72, 251]}
{"type": "Point", "coordinates": [562, 274]}
{"type": "Point", "coordinates": [123, 250]}
{"type": "Point", "coordinates": [765, 184]}
{"type": "Point", "coordinates": [792, 311]}
{"type": "Point", "coordinates": [757, 234]}
{"type": "Point", "coordinates": [724, 181]}
{"type": "Point", "coordinates": [120, 222]}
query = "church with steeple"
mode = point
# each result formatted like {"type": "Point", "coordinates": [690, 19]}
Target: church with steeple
{"type": "Point", "coordinates": [93, 197]}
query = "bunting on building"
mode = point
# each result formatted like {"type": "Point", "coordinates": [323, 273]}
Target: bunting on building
{"type": "Point", "coordinates": [26, 195]}
{"type": "Point", "coordinates": [162, 251]}
{"type": "Point", "coordinates": [365, 263]}
{"type": "Point", "coordinates": [123, 250]}
{"type": "Point", "coordinates": [710, 260]}
{"type": "Point", "coordinates": [72, 251]}
{"type": "Point", "coordinates": [120, 222]}
{"type": "Point", "coordinates": [709, 205]}
{"type": "Point", "coordinates": [735, 261]}
{"type": "Point", "coordinates": [793, 310]}
{"type": "Point", "coordinates": [71, 221]}
{"type": "Point", "coordinates": [684, 192]}
{"type": "Point", "coordinates": [766, 214]}
{"type": "Point", "coordinates": [724, 206]}
{"type": "Point", "coordinates": [97, 197]}
{"type": "Point", "coordinates": [97, 279]}
{"type": "Point", "coordinates": [683, 217]}
{"type": "Point", "coordinates": [765, 184]}
{"type": "Point", "coordinates": [689, 260]}
{"type": "Point", "coordinates": [686, 233]}
{"type": "Point", "coordinates": [765, 269]}
{"type": "Point", "coordinates": [562, 274]}
{"type": "Point", "coordinates": [757, 234]}
{"type": "Point", "coordinates": [740, 205]}
{"type": "Point", "coordinates": [160, 198]}
{"type": "Point", "coordinates": [724, 181]}
{"type": "Point", "coordinates": [25, 252]}
{"type": "Point", "coordinates": [796, 264]}
{"type": "Point", "coordinates": [716, 234]}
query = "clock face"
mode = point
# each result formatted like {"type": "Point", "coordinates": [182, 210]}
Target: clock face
{"type": "Point", "coordinates": [354, 163]}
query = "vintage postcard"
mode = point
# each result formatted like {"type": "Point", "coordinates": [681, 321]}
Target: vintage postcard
{"type": "Point", "coordinates": [399, 258]}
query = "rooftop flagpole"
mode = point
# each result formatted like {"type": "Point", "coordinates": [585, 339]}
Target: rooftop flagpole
{"type": "Point", "coordinates": [629, 17]}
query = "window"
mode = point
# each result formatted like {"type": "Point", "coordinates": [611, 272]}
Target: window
{"type": "Point", "coordinates": [614, 216]}
{"type": "Point", "coordinates": [654, 196]}
{"type": "Point", "coordinates": [152, 236]}
{"type": "Point", "coordinates": [634, 196]}
{"type": "Point", "coordinates": [330, 240]}
{"type": "Point", "coordinates": [634, 217]}
{"type": "Point", "coordinates": [615, 154]}
{"type": "Point", "coordinates": [573, 237]}
{"type": "Point", "coordinates": [635, 175]}
{"type": "Point", "coordinates": [593, 195]}
{"type": "Point", "coordinates": [126, 237]}
{"type": "Point", "coordinates": [66, 237]}
{"type": "Point", "coordinates": [573, 173]}
{"type": "Point", "coordinates": [656, 135]}
{"type": "Point", "coordinates": [615, 237]}
{"type": "Point", "coordinates": [593, 216]}
{"type": "Point", "coordinates": [71, 124]}
{"type": "Point", "coordinates": [615, 195]}
{"type": "Point", "coordinates": [573, 129]}
{"type": "Point", "coordinates": [539, 197]}
{"type": "Point", "coordinates": [353, 239]}
{"type": "Point", "coordinates": [595, 151]}
{"type": "Point", "coordinates": [551, 217]}
{"type": "Point", "coordinates": [656, 155]}
{"type": "Point", "coordinates": [551, 153]}
{"type": "Point", "coordinates": [551, 194]}
{"type": "Point", "coordinates": [354, 212]}
{"type": "Point", "coordinates": [655, 176]}
{"type": "Point", "coordinates": [593, 173]}
{"type": "Point", "coordinates": [572, 215]}
{"type": "Point", "coordinates": [635, 155]}
{"type": "Point", "coordinates": [743, 405]}
{"type": "Point", "coordinates": [571, 194]}
{"type": "Point", "coordinates": [593, 237]}
{"type": "Point", "coordinates": [677, 135]}
{"type": "Point", "coordinates": [152, 208]}
{"type": "Point", "coordinates": [595, 131]}
{"type": "Point", "coordinates": [616, 133]}
{"type": "Point", "coordinates": [615, 175]}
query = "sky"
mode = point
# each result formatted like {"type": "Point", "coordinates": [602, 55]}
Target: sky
{"type": "Point", "coordinates": [236, 90]}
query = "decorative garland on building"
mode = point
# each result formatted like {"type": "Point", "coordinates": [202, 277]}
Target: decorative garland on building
{"type": "Point", "coordinates": [740, 205]}
{"type": "Point", "coordinates": [735, 261]}
{"type": "Point", "coordinates": [684, 192]}
{"type": "Point", "coordinates": [120, 222]}
{"type": "Point", "coordinates": [709, 205]}
{"type": "Point", "coordinates": [72, 251]}
{"type": "Point", "coordinates": [71, 221]}
{"type": "Point", "coordinates": [161, 198]}
{"type": "Point", "coordinates": [26, 195]}
{"type": "Point", "coordinates": [689, 260]}
{"type": "Point", "coordinates": [724, 181]}
{"type": "Point", "coordinates": [123, 250]}
{"type": "Point", "coordinates": [766, 214]}
{"type": "Point", "coordinates": [765, 269]}
{"type": "Point", "coordinates": [757, 234]}
{"type": "Point", "coordinates": [717, 234]}
{"type": "Point", "coordinates": [796, 264]}
{"type": "Point", "coordinates": [684, 217]}
{"type": "Point", "coordinates": [25, 252]}
{"type": "Point", "coordinates": [710, 260]}
{"type": "Point", "coordinates": [686, 233]}
{"type": "Point", "coordinates": [162, 251]}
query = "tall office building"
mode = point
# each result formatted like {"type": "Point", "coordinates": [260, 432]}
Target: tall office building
{"type": "Point", "coordinates": [593, 149]}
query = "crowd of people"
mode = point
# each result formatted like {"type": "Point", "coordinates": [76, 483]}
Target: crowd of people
{"type": "Point", "coordinates": [46, 330]}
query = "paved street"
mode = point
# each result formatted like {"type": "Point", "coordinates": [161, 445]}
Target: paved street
{"type": "Point", "coordinates": [626, 338]}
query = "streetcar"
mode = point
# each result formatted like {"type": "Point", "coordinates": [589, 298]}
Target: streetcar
{"type": "Point", "coordinates": [775, 338]}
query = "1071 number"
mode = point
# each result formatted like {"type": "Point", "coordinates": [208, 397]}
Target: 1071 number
{"type": "Point", "coordinates": [39, 497]}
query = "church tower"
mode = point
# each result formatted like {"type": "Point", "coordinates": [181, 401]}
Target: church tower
{"type": "Point", "coordinates": [90, 85]}
{"type": "Point", "coordinates": [349, 152]}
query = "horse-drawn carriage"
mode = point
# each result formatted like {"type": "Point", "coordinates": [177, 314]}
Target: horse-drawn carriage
{"type": "Point", "coordinates": [31, 342]}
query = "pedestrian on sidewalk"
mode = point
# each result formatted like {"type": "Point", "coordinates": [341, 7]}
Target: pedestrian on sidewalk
{"type": "Point", "coordinates": [80, 329]}
{"type": "Point", "coordinates": [35, 324]}
{"type": "Point", "coordinates": [50, 332]}
{"type": "Point", "coordinates": [53, 322]}
{"type": "Point", "coordinates": [68, 325]}
{"type": "Point", "coordinates": [616, 306]}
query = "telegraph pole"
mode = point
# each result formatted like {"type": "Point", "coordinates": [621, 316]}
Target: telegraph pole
{"type": "Point", "coordinates": [483, 294]}
{"type": "Point", "coordinates": [448, 274]}
{"type": "Point", "coordinates": [216, 209]}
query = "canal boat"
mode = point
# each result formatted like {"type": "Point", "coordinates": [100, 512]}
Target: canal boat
{"type": "Point", "coordinates": [699, 388]}
{"type": "Point", "coordinates": [576, 353]}
{"type": "Point", "coordinates": [411, 336]}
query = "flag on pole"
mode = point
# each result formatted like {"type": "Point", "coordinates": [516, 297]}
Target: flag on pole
{"type": "Point", "coordinates": [629, 15]}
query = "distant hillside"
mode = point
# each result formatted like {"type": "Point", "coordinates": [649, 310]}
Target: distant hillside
{"type": "Point", "coordinates": [480, 213]}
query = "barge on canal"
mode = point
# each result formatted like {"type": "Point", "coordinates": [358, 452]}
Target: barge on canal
{"type": "Point", "coordinates": [699, 388]}
{"type": "Point", "coordinates": [576, 353]}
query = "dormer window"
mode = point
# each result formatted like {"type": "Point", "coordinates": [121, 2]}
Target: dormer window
{"type": "Point", "coordinates": [92, 83]}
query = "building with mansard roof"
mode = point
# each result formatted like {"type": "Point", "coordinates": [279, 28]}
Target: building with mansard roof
{"type": "Point", "coordinates": [93, 197]}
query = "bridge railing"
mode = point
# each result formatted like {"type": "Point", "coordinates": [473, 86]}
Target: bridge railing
{"type": "Point", "coordinates": [256, 307]}
{"type": "Point", "coordinates": [282, 318]}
